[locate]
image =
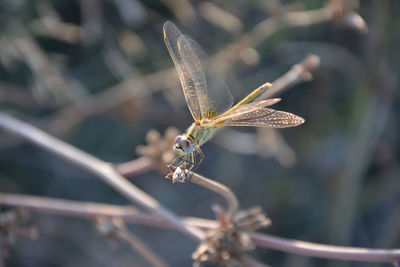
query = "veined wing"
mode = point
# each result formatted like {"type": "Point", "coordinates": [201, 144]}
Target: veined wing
{"type": "Point", "coordinates": [264, 117]}
{"type": "Point", "coordinates": [171, 34]}
{"type": "Point", "coordinates": [244, 109]}
{"type": "Point", "coordinates": [213, 95]}
{"type": "Point", "coordinates": [205, 94]}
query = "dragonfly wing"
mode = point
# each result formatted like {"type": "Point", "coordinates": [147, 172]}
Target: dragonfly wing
{"type": "Point", "coordinates": [213, 95]}
{"type": "Point", "coordinates": [265, 117]}
{"type": "Point", "coordinates": [171, 36]}
{"type": "Point", "coordinates": [244, 109]}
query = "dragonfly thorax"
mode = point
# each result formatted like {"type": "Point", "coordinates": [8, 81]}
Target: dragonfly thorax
{"type": "Point", "coordinates": [182, 145]}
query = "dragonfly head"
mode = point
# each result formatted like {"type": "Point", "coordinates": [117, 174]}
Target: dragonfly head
{"type": "Point", "coordinates": [182, 146]}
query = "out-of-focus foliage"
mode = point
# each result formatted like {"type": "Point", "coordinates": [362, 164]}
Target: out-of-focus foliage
{"type": "Point", "coordinates": [97, 74]}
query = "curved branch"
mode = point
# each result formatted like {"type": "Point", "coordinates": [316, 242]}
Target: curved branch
{"type": "Point", "coordinates": [135, 167]}
{"type": "Point", "coordinates": [224, 191]}
{"type": "Point", "coordinates": [131, 215]}
{"type": "Point", "coordinates": [96, 166]}
{"type": "Point", "coordinates": [326, 251]}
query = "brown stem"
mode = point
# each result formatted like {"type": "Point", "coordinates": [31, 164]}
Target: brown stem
{"type": "Point", "coordinates": [136, 244]}
{"type": "Point", "coordinates": [326, 251]}
{"type": "Point", "coordinates": [224, 191]}
{"type": "Point", "coordinates": [268, 27]}
{"type": "Point", "coordinates": [94, 165]}
{"type": "Point", "coordinates": [298, 73]}
{"type": "Point", "coordinates": [89, 210]}
{"type": "Point", "coordinates": [135, 167]}
{"type": "Point", "coordinates": [129, 214]}
{"type": "Point", "coordinates": [115, 228]}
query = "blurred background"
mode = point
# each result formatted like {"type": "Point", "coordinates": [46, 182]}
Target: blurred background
{"type": "Point", "coordinates": [97, 74]}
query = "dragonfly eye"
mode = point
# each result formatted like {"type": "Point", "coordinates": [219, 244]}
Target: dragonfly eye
{"type": "Point", "coordinates": [177, 146]}
{"type": "Point", "coordinates": [177, 140]}
{"type": "Point", "coordinates": [186, 145]}
{"type": "Point", "coordinates": [182, 145]}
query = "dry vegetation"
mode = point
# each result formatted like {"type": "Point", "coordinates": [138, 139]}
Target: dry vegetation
{"type": "Point", "coordinates": [90, 84]}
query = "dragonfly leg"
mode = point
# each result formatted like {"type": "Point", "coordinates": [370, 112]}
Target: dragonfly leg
{"type": "Point", "coordinates": [201, 155]}
{"type": "Point", "coordinates": [187, 165]}
{"type": "Point", "coordinates": [187, 162]}
{"type": "Point", "coordinates": [198, 150]}
{"type": "Point", "coordinates": [172, 165]}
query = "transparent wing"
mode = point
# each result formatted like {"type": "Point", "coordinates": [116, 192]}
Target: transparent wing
{"type": "Point", "coordinates": [244, 109]}
{"type": "Point", "coordinates": [265, 117]}
{"type": "Point", "coordinates": [171, 35]}
{"type": "Point", "coordinates": [212, 94]}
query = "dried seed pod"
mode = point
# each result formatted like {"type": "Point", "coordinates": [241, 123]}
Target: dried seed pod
{"type": "Point", "coordinates": [226, 244]}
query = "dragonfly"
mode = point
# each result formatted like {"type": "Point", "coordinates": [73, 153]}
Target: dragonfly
{"type": "Point", "coordinates": [210, 102]}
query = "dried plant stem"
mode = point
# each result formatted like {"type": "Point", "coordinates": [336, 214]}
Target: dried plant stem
{"type": "Point", "coordinates": [273, 24]}
{"type": "Point", "coordinates": [67, 207]}
{"type": "Point", "coordinates": [268, 27]}
{"type": "Point", "coordinates": [135, 167]}
{"type": "Point", "coordinates": [326, 251]}
{"type": "Point", "coordinates": [89, 210]}
{"type": "Point", "coordinates": [298, 73]}
{"type": "Point", "coordinates": [44, 69]}
{"type": "Point", "coordinates": [137, 245]}
{"type": "Point", "coordinates": [224, 191]}
{"type": "Point", "coordinates": [96, 166]}
{"type": "Point", "coordinates": [129, 214]}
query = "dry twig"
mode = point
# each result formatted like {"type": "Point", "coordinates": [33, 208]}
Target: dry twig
{"type": "Point", "coordinates": [128, 214]}
{"type": "Point", "coordinates": [159, 151]}
{"type": "Point", "coordinates": [224, 191]}
{"type": "Point", "coordinates": [135, 167]}
{"type": "Point", "coordinates": [115, 228]}
{"type": "Point", "coordinates": [227, 243]}
{"type": "Point", "coordinates": [298, 73]}
{"type": "Point", "coordinates": [102, 169]}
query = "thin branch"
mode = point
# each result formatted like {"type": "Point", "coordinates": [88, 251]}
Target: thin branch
{"type": "Point", "coordinates": [115, 228]}
{"type": "Point", "coordinates": [129, 214]}
{"type": "Point", "coordinates": [135, 167]}
{"type": "Point", "coordinates": [267, 28]}
{"type": "Point", "coordinates": [273, 24]}
{"type": "Point", "coordinates": [298, 73]}
{"type": "Point", "coordinates": [134, 87]}
{"type": "Point", "coordinates": [90, 210]}
{"type": "Point", "coordinates": [49, 79]}
{"type": "Point", "coordinates": [326, 251]}
{"type": "Point", "coordinates": [136, 244]}
{"type": "Point", "coordinates": [96, 166]}
{"type": "Point", "coordinates": [224, 191]}
{"type": "Point", "coordinates": [67, 207]}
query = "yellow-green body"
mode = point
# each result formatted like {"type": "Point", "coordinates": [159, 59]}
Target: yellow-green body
{"type": "Point", "coordinates": [198, 134]}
